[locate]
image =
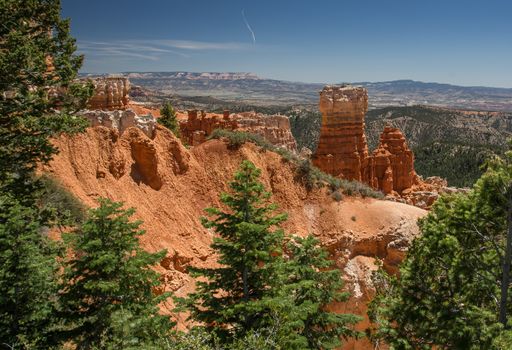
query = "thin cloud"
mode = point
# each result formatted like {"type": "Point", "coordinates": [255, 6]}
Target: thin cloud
{"type": "Point", "coordinates": [113, 52]}
{"type": "Point", "coordinates": [126, 49]}
{"type": "Point", "coordinates": [200, 45]}
{"type": "Point", "coordinates": [249, 27]}
{"type": "Point", "coordinates": [152, 49]}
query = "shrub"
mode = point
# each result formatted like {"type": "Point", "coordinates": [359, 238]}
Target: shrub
{"type": "Point", "coordinates": [337, 196]}
{"type": "Point", "coordinates": [352, 187]}
{"type": "Point", "coordinates": [305, 172]}
{"type": "Point", "coordinates": [237, 138]}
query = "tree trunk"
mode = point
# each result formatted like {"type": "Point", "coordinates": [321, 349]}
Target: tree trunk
{"type": "Point", "coordinates": [505, 281]}
{"type": "Point", "coordinates": [245, 272]}
{"type": "Point", "coordinates": [245, 282]}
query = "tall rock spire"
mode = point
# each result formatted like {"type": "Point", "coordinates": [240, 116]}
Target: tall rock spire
{"type": "Point", "coordinates": [342, 150]}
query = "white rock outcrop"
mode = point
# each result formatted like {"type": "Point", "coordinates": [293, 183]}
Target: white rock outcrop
{"type": "Point", "coordinates": [121, 120]}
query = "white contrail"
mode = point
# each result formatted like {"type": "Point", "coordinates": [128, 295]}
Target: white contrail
{"type": "Point", "coordinates": [249, 27]}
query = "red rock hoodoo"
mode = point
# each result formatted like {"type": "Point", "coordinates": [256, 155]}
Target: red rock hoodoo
{"type": "Point", "coordinates": [342, 149]}
{"type": "Point", "coordinates": [392, 163]}
{"type": "Point", "coordinates": [110, 93]}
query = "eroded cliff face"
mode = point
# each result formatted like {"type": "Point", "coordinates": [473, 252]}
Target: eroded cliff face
{"type": "Point", "coordinates": [170, 186]}
{"type": "Point", "coordinates": [197, 126]}
{"type": "Point", "coordinates": [110, 106]}
{"type": "Point", "coordinates": [274, 128]}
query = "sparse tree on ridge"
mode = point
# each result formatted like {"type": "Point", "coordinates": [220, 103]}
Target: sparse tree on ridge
{"type": "Point", "coordinates": [168, 118]}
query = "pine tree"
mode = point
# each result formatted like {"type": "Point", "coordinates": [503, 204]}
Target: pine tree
{"type": "Point", "coordinates": [448, 293]}
{"type": "Point", "coordinates": [259, 295]}
{"type": "Point", "coordinates": [231, 300]}
{"type": "Point", "coordinates": [38, 68]}
{"type": "Point", "coordinates": [27, 284]}
{"type": "Point", "coordinates": [38, 95]}
{"type": "Point", "coordinates": [168, 118]}
{"type": "Point", "coordinates": [109, 282]}
{"type": "Point", "coordinates": [314, 284]}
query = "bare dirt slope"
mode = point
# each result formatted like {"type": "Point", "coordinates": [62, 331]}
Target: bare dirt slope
{"type": "Point", "coordinates": [170, 186]}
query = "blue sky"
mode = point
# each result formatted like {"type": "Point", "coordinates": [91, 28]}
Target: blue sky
{"type": "Point", "coordinates": [460, 42]}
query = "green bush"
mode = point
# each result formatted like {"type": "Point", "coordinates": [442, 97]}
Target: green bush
{"type": "Point", "coordinates": [351, 187]}
{"type": "Point", "coordinates": [337, 196]}
{"type": "Point", "coordinates": [305, 172]}
{"type": "Point", "coordinates": [168, 118]}
{"type": "Point", "coordinates": [348, 187]}
{"type": "Point", "coordinates": [237, 138]}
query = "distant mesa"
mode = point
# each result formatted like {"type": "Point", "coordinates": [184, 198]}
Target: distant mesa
{"type": "Point", "coordinates": [196, 76]}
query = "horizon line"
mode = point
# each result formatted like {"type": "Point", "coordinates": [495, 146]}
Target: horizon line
{"type": "Point", "coordinates": [305, 82]}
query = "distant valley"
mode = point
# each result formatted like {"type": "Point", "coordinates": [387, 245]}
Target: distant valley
{"type": "Point", "coordinates": [250, 89]}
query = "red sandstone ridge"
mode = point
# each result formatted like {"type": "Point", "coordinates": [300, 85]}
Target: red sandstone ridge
{"type": "Point", "coordinates": [274, 128]}
{"type": "Point", "coordinates": [112, 94]}
{"type": "Point", "coordinates": [342, 149]}
{"type": "Point", "coordinates": [170, 186]}
{"type": "Point", "coordinates": [196, 127]}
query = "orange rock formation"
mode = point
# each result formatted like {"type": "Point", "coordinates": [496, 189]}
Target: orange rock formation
{"type": "Point", "coordinates": [274, 128]}
{"type": "Point", "coordinates": [392, 163]}
{"type": "Point", "coordinates": [110, 93]}
{"type": "Point", "coordinates": [194, 129]}
{"type": "Point", "coordinates": [342, 149]}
